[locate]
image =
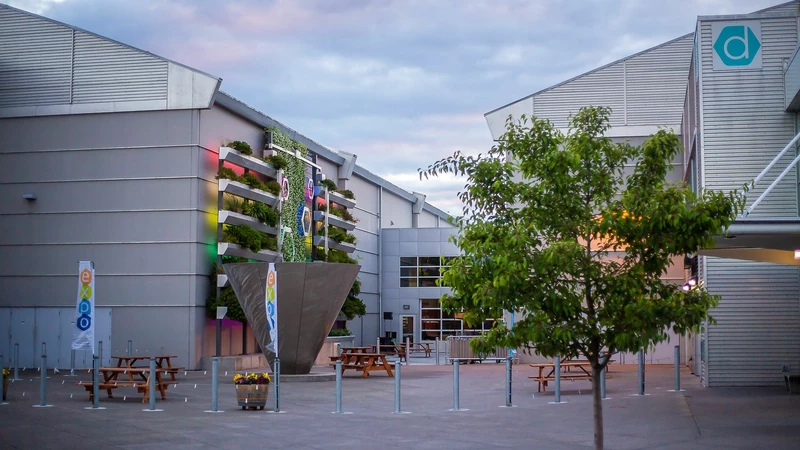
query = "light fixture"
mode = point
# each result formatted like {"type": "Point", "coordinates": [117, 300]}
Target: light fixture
{"type": "Point", "coordinates": [797, 254]}
{"type": "Point", "coordinates": [30, 196]}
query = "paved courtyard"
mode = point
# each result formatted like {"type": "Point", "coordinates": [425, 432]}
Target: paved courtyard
{"type": "Point", "coordinates": [699, 418]}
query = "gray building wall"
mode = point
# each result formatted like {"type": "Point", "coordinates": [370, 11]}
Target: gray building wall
{"type": "Point", "coordinates": [116, 189]}
{"type": "Point", "coordinates": [742, 127]}
{"type": "Point", "coordinates": [400, 242]}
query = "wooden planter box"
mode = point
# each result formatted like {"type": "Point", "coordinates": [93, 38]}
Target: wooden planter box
{"type": "Point", "coordinates": [252, 395]}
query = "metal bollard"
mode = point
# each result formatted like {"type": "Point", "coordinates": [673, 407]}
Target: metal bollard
{"type": "Point", "coordinates": [558, 379]}
{"type": "Point", "coordinates": [603, 383]}
{"type": "Point", "coordinates": [16, 362]}
{"type": "Point", "coordinates": [437, 351]}
{"type": "Point", "coordinates": [152, 389]}
{"type": "Point", "coordinates": [214, 385]}
{"type": "Point", "coordinates": [2, 383]}
{"type": "Point", "coordinates": [677, 368]}
{"type": "Point", "coordinates": [456, 406]}
{"type": "Point", "coordinates": [408, 350]}
{"type": "Point", "coordinates": [397, 367]}
{"type": "Point", "coordinates": [130, 347]}
{"type": "Point", "coordinates": [100, 350]}
{"type": "Point", "coordinates": [641, 372]}
{"type": "Point", "coordinates": [43, 378]}
{"type": "Point", "coordinates": [508, 382]}
{"type": "Point", "coordinates": [71, 364]}
{"type": "Point", "coordinates": [378, 345]}
{"type": "Point", "coordinates": [96, 381]}
{"type": "Point", "coordinates": [277, 385]}
{"type": "Point", "coordinates": [338, 387]}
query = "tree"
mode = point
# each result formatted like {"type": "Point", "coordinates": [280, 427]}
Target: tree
{"type": "Point", "coordinates": [553, 231]}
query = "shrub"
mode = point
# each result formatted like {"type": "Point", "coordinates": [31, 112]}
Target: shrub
{"type": "Point", "coordinates": [262, 212]}
{"type": "Point", "coordinates": [252, 180]}
{"type": "Point", "coordinates": [272, 187]}
{"type": "Point", "coordinates": [227, 173]}
{"type": "Point", "coordinates": [269, 242]}
{"type": "Point", "coordinates": [340, 332]}
{"type": "Point", "coordinates": [235, 204]}
{"type": "Point", "coordinates": [328, 184]}
{"type": "Point", "coordinates": [241, 147]}
{"type": "Point", "coordinates": [226, 298]}
{"type": "Point", "coordinates": [347, 194]}
{"type": "Point", "coordinates": [244, 236]}
{"type": "Point", "coordinates": [277, 161]}
{"type": "Point", "coordinates": [343, 214]}
{"type": "Point", "coordinates": [339, 235]}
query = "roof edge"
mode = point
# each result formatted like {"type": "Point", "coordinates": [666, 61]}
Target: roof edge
{"type": "Point", "coordinates": [590, 72]}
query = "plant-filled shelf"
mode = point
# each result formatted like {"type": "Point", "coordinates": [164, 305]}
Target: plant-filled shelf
{"type": "Point", "coordinates": [234, 218]}
{"type": "Point", "coordinates": [242, 190]}
{"type": "Point", "coordinates": [334, 220]}
{"type": "Point", "coordinates": [343, 246]}
{"type": "Point", "coordinates": [248, 162]}
{"type": "Point", "coordinates": [228, 249]}
{"type": "Point", "coordinates": [337, 198]}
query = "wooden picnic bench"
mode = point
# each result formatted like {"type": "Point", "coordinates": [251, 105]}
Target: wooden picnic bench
{"type": "Point", "coordinates": [130, 363]}
{"type": "Point", "coordinates": [421, 347]}
{"type": "Point", "coordinates": [543, 378]}
{"type": "Point", "coordinates": [136, 377]}
{"type": "Point", "coordinates": [365, 362]}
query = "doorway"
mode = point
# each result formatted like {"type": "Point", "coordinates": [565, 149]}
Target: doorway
{"type": "Point", "coordinates": [407, 327]}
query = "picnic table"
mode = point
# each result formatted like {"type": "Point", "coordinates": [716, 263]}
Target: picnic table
{"type": "Point", "coordinates": [129, 362]}
{"type": "Point", "coordinates": [365, 362]}
{"type": "Point", "coordinates": [542, 378]}
{"type": "Point", "coordinates": [134, 377]}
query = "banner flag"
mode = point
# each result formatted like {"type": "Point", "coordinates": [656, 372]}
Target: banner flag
{"type": "Point", "coordinates": [271, 303]}
{"type": "Point", "coordinates": [83, 338]}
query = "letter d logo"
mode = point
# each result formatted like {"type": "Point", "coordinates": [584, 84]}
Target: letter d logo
{"type": "Point", "coordinates": [737, 46]}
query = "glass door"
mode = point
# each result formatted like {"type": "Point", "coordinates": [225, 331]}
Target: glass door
{"type": "Point", "coordinates": [407, 328]}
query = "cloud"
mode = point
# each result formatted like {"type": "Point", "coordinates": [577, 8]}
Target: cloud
{"type": "Point", "coordinates": [401, 83]}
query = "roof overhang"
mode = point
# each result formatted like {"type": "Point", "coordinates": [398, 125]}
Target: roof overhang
{"type": "Point", "coordinates": [767, 240]}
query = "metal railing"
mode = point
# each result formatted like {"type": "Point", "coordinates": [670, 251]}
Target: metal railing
{"type": "Point", "coordinates": [459, 348]}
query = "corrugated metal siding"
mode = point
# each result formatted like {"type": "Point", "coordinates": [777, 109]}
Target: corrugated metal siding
{"type": "Point", "coordinates": [106, 72]}
{"type": "Point", "coordinates": [758, 322]}
{"type": "Point", "coordinates": [602, 88]}
{"type": "Point", "coordinates": [744, 122]}
{"type": "Point", "coordinates": [656, 84]}
{"type": "Point", "coordinates": [790, 7]}
{"type": "Point", "coordinates": [35, 58]}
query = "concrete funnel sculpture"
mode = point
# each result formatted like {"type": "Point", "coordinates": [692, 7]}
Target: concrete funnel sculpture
{"type": "Point", "coordinates": [310, 296]}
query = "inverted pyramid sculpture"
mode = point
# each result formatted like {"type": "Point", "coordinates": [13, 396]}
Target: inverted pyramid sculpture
{"type": "Point", "coordinates": [310, 296]}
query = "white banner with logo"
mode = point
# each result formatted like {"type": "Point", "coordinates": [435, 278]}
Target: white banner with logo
{"type": "Point", "coordinates": [83, 337]}
{"type": "Point", "coordinates": [271, 303]}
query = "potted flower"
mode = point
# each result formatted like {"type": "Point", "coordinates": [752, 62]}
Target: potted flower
{"type": "Point", "coordinates": [6, 375]}
{"type": "Point", "coordinates": [251, 389]}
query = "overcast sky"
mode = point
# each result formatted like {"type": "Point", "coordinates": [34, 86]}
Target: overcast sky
{"type": "Point", "coordinates": [400, 83]}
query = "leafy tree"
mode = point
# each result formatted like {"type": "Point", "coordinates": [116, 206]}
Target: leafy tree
{"type": "Point", "coordinates": [554, 232]}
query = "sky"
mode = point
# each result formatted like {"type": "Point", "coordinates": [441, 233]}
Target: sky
{"type": "Point", "coordinates": [400, 83]}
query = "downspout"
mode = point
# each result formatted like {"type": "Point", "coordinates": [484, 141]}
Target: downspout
{"type": "Point", "coordinates": [380, 264]}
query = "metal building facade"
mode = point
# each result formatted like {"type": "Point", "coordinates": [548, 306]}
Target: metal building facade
{"type": "Point", "coordinates": [119, 147]}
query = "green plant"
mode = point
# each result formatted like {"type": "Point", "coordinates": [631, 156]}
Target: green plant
{"type": "Point", "coordinates": [260, 211]}
{"type": "Point", "coordinates": [555, 232]}
{"type": "Point", "coordinates": [272, 187]}
{"type": "Point", "coordinates": [334, 256]}
{"type": "Point", "coordinates": [342, 214]}
{"type": "Point", "coordinates": [339, 235]}
{"type": "Point", "coordinates": [252, 180]}
{"type": "Point", "coordinates": [353, 306]}
{"type": "Point", "coordinates": [228, 299]}
{"type": "Point", "coordinates": [339, 332]}
{"type": "Point", "coordinates": [294, 247]}
{"type": "Point", "coordinates": [233, 203]}
{"type": "Point", "coordinates": [244, 236]}
{"type": "Point", "coordinates": [328, 184]}
{"type": "Point", "coordinates": [227, 173]}
{"type": "Point", "coordinates": [347, 193]}
{"type": "Point", "coordinates": [269, 242]}
{"type": "Point", "coordinates": [241, 147]}
{"type": "Point", "coordinates": [277, 161]}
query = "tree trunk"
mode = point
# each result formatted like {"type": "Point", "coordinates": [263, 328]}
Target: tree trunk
{"type": "Point", "coordinates": [597, 402]}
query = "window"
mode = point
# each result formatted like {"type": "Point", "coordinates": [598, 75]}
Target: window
{"type": "Point", "coordinates": [422, 271]}
{"type": "Point", "coordinates": [437, 323]}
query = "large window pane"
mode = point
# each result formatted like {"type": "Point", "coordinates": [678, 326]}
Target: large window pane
{"type": "Point", "coordinates": [408, 282]}
{"type": "Point", "coordinates": [429, 303]}
{"type": "Point", "coordinates": [431, 314]}
{"type": "Point", "coordinates": [451, 324]}
{"type": "Point", "coordinates": [408, 261]}
{"type": "Point", "coordinates": [429, 335]}
{"type": "Point", "coordinates": [427, 282]}
{"type": "Point", "coordinates": [408, 271]}
{"type": "Point", "coordinates": [429, 261]}
{"type": "Point", "coordinates": [428, 272]}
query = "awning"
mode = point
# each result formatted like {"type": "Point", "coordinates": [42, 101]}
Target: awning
{"type": "Point", "coordinates": [768, 240]}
